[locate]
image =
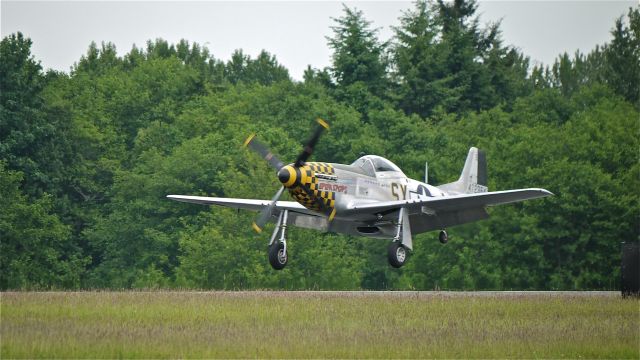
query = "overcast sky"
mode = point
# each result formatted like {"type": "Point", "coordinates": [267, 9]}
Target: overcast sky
{"type": "Point", "coordinates": [293, 31]}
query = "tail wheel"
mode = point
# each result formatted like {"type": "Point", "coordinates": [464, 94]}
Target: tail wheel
{"type": "Point", "coordinates": [397, 254]}
{"type": "Point", "coordinates": [443, 237]}
{"type": "Point", "coordinates": [278, 255]}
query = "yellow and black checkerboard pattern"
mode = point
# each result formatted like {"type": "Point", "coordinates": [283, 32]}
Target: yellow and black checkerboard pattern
{"type": "Point", "coordinates": [308, 178]}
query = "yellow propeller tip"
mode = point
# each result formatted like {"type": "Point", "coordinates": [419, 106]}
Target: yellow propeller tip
{"type": "Point", "coordinates": [323, 123]}
{"type": "Point", "coordinates": [256, 228]}
{"type": "Point", "coordinates": [333, 214]}
{"type": "Point", "coordinates": [246, 142]}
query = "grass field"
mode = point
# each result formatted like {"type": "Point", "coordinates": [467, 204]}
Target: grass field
{"type": "Point", "coordinates": [319, 325]}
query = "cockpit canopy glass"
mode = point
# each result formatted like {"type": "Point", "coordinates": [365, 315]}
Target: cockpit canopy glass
{"type": "Point", "coordinates": [380, 164]}
{"type": "Point", "coordinates": [365, 165]}
{"type": "Point", "coordinates": [372, 163]}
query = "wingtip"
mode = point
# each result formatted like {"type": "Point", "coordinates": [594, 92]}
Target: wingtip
{"type": "Point", "coordinates": [546, 192]}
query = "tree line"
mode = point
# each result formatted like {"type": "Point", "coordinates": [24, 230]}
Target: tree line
{"type": "Point", "coordinates": [87, 158]}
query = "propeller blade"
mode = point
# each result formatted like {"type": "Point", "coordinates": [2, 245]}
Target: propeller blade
{"type": "Point", "coordinates": [258, 225]}
{"type": "Point", "coordinates": [311, 144]}
{"type": "Point", "coordinates": [264, 152]}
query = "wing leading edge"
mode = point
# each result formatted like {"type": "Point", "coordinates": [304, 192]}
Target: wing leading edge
{"type": "Point", "coordinates": [245, 204]}
{"type": "Point", "coordinates": [455, 202]}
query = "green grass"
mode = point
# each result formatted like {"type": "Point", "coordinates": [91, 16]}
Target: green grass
{"type": "Point", "coordinates": [319, 325]}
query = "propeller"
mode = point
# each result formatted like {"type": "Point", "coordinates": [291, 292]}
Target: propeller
{"type": "Point", "coordinates": [266, 212]}
{"type": "Point", "coordinates": [263, 151]}
{"type": "Point", "coordinates": [311, 144]}
{"type": "Point", "coordinates": [277, 164]}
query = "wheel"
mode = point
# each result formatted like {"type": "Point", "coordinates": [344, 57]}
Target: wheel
{"type": "Point", "coordinates": [397, 254]}
{"type": "Point", "coordinates": [278, 256]}
{"type": "Point", "coordinates": [443, 237]}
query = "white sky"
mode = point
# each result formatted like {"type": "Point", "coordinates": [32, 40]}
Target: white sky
{"type": "Point", "coordinates": [294, 31]}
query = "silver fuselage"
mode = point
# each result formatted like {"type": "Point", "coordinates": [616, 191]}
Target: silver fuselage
{"type": "Point", "coordinates": [341, 187]}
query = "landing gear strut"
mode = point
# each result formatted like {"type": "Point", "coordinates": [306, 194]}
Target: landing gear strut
{"type": "Point", "coordinates": [278, 248]}
{"type": "Point", "coordinates": [443, 237]}
{"type": "Point", "coordinates": [397, 252]}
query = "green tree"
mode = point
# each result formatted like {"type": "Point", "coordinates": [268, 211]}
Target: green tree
{"type": "Point", "coordinates": [358, 56]}
{"type": "Point", "coordinates": [444, 61]}
{"type": "Point", "coordinates": [623, 57]}
{"type": "Point", "coordinates": [98, 61]}
{"type": "Point", "coordinates": [419, 63]}
{"type": "Point", "coordinates": [615, 64]}
{"type": "Point", "coordinates": [37, 251]}
{"type": "Point", "coordinates": [24, 128]}
{"type": "Point", "coordinates": [264, 70]}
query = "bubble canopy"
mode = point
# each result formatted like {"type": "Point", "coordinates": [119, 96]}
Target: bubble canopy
{"type": "Point", "coordinates": [373, 164]}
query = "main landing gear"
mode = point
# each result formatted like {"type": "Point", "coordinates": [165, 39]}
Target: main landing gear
{"type": "Point", "coordinates": [278, 248]}
{"type": "Point", "coordinates": [397, 252]}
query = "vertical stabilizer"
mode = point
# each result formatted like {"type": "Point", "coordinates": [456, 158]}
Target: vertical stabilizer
{"type": "Point", "coordinates": [473, 178]}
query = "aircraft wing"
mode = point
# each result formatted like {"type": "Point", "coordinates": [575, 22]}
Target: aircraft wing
{"type": "Point", "coordinates": [454, 202]}
{"type": "Point", "coordinates": [246, 204]}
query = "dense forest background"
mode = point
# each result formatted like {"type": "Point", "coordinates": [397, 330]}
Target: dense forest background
{"type": "Point", "coordinates": [87, 158]}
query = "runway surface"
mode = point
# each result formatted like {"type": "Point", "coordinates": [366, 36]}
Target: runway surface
{"type": "Point", "coordinates": [398, 294]}
{"type": "Point", "coordinates": [431, 294]}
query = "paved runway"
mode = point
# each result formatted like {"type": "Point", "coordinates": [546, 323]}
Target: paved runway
{"type": "Point", "coordinates": [463, 293]}
{"type": "Point", "coordinates": [398, 294]}
{"type": "Point", "coordinates": [411, 294]}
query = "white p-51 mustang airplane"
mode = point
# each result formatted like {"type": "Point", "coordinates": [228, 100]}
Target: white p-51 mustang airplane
{"type": "Point", "coordinates": [371, 197]}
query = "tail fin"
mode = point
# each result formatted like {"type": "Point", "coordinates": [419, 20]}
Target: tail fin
{"type": "Point", "coordinates": [473, 178]}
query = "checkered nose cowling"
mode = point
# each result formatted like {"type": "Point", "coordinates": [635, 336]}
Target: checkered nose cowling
{"type": "Point", "coordinates": [292, 176]}
{"type": "Point", "coordinates": [302, 184]}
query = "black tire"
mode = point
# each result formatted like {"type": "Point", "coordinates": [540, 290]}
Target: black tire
{"type": "Point", "coordinates": [443, 237]}
{"type": "Point", "coordinates": [397, 254]}
{"type": "Point", "coordinates": [278, 256]}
